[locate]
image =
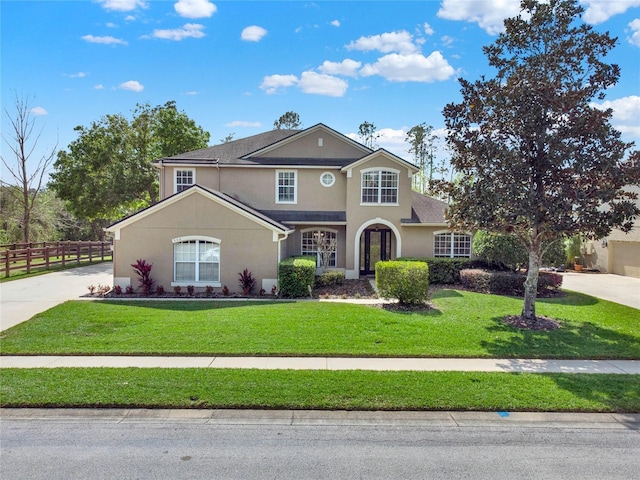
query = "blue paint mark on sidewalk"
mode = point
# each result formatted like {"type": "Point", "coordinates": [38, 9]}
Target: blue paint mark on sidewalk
{"type": "Point", "coordinates": [503, 414]}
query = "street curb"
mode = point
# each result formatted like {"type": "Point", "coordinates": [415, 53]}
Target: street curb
{"type": "Point", "coordinates": [471, 419]}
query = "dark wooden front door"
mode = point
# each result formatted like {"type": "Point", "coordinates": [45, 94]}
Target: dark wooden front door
{"type": "Point", "coordinates": [375, 245]}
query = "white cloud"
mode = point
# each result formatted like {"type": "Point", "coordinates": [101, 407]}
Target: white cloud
{"type": "Point", "coordinates": [634, 39]}
{"type": "Point", "coordinates": [625, 116]}
{"type": "Point", "coordinates": [195, 8]}
{"type": "Point", "coordinates": [598, 11]}
{"type": "Point", "coordinates": [103, 40]}
{"type": "Point", "coordinates": [122, 5]}
{"type": "Point", "coordinates": [191, 92]}
{"type": "Point", "coordinates": [254, 33]}
{"type": "Point", "coordinates": [38, 111]}
{"type": "Point", "coordinates": [347, 67]}
{"type": "Point", "coordinates": [98, 87]}
{"type": "Point", "coordinates": [130, 18]}
{"type": "Point", "coordinates": [626, 108]}
{"type": "Point", "coordinates": [189, 30]}
{"type": "Point", "coordinates": [335, 23]}
{"type": "Point", "coordinates": [400, 42]}
{"type": "Point", "coordinates": [321, 84]}
{"type": "Point", "coordinates": [428, 30]}
{"type": "Point", "coordinates": [111, 25]}
{"type": "Point", "coordinates": [272, 83]}
{"type": "Point", "coordinates": [132, 85]}
{"type": "Point", "coordinates": [77, 75]}
{"type": "Point", "coordinates": [243, 123]}
{"type": "Point", "coordinates": [410, 68]}
{"type": "Point", "coordinates": [488, 14]}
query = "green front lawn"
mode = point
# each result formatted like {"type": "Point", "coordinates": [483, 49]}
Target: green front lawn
{"type": "Point", "coordinates": [287, 389]}
{"type": "Point", "coordinates": [462, 324]}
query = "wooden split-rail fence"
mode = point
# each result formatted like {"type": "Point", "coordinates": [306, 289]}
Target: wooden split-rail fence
{"type": "Point", "coordinates": [46, 255]}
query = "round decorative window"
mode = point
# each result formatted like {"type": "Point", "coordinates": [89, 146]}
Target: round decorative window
{"type": "Point", "coordinates": [327, 179]}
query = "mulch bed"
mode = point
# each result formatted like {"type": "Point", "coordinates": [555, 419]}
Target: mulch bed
{"type": "Point", "coordinates": [539, 323]}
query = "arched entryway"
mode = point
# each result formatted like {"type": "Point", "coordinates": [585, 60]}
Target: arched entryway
{"type": "Point", "coordinates": [375, 241]}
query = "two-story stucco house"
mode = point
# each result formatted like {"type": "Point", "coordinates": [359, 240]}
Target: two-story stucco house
{"type": "Point", "coordinates": [252, 202]}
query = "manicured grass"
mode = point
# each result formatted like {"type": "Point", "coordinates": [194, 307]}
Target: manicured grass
{"type": "Point", "coordinates": [299, 389]}
{"type": "Point", "coordinates": [462, 324]}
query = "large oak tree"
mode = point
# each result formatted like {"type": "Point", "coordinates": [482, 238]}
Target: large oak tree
{"type": "Point", "coordinates": [535, 157]}
{"type": "Point", "coordinates": [107, 171]}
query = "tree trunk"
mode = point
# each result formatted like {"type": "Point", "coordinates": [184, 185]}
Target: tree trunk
{"type": "Point", "coordinates": [531, 285]}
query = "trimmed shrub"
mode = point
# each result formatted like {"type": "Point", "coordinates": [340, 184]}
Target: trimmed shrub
{"type": "Point", "coordinates": [447, 270]}
{"type": "Point", "coordinates": [506, 283]}
{"type": "Point", "coordinates": [500, 248]}
{"type": "Point", "coordinates": [404, 280]}
{"type": "Point", "coordinates": [296, 275]}
{"type": "Point", "coordinates": [331, 277]}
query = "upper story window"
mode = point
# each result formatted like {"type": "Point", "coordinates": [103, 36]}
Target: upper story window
{"type": "Point", "coordinates": [322, 244]}
{"type": "Point", "coordinates": [327, 179]}
{"type": "Point", "coordinates": [451, 245]}
{"type": "Point", "coordinates": [196, 260]}
{"type": "Point", "coordinates": [379, 186]}
{"type": "Point", "coordinates": [286, 186]}
{"type": "Point", "coordinates": [184, 178]}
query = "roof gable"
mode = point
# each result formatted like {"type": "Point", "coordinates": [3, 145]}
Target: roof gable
{"type": "Point", "coordinates": [318, 128]}
{"type": "Point", "coordinates": [387, 155]}
{"type": "Point", "coordinates": [213, 195]}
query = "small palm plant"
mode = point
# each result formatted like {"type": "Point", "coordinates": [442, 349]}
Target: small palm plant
{"type": "Point", "coordinates": [247, 281]}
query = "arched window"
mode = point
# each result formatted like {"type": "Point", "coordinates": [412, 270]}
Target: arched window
{"type": "Point", "coordinates": [451, 244]}
{"type": "Point", "coordinates": [379, 186]}
{"type": "Point", "coordinates": [196, 260]}
{"type": "Point", "coordinates": [322, 244]}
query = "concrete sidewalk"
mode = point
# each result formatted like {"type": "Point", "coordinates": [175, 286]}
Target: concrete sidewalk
{"type": "Point", "coordinates": [329, 363]}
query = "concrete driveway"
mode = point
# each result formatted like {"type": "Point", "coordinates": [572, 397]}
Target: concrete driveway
{"type": "Point", "coordinates": [616, 288]}
{"type": "Point", "coordinates": [22, 299]}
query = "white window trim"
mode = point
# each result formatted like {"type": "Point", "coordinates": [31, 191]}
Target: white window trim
{"type": "Point", "coordinates": [379, 203]}
{"type": "Point", "coordinates": [317, 229]}
{"type": "Point", "coordinates": [194, 283]}
{"type": "Point", "coordinates": [175, 177]}
{"type": "Point", "coordinates": [333, 179]}
{"type": "Point", "coordinates": [451, 236]}
{"type": "Point", "coordinates": [295, 187]}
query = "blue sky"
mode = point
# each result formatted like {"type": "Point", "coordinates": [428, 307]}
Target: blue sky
{"type": "Point", "coordinates": [236, 66]}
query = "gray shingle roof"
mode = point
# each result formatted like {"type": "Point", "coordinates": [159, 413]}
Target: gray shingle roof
{"type": "Point", "coordinates": [425, 209]}
{"type": "Point", "coordinates": [230, 152]}
{"type": "Point", "coordinates": [289, 216]}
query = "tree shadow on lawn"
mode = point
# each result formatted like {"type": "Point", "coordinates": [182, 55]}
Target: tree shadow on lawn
{"type": "Point", "coordinates": [573, 340]}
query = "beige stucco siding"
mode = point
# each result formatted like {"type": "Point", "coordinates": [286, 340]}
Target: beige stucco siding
{"type": "Point", "coordinates": [243, 242]}
{"type": "Point", "coordinates": [361, 215]}
{"type": "Point", "coordinates": [330, 146]}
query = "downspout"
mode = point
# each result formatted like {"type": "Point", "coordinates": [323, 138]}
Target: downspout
{"type": "Point", "coordinates": [279, 253]}
{"type": "Point", "coordinates": [217, 163]}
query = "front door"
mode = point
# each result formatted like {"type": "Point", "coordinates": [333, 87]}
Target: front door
{"type": "Point", "coordinates": [375, 245]}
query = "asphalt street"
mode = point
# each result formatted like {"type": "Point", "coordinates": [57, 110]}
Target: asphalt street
{"type": "Point", "coordinates": [237, 446]}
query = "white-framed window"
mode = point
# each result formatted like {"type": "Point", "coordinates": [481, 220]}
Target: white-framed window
{"type": "Point", "coordinates": [379, 186]}
{"type": "Point", "coordinates": [452, 244]}
{"type": "Point", "coordinates": [184, 178]}
{"type": "Point", "coordinates": [286, 186]}
{"type": "Point", "coordinates": [327, 179]}
{"type": "Point", "coordinates": [321, 243]}
{"type": "Point", "coordinates": [196, 260]}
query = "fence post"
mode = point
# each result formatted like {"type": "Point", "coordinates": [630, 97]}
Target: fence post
{"type": "Point", "coordinates": [7, 270]}
{"type": "Point", "coordinates": [78, 252]}
{"type": "Point", "coordinates": [64, 256]}
{"type": "Point", "coordinates": [28, 260]}
{"type": "Point", "coordinates": [46, 257]}
{"type": "Point", "coordinates": [90, 252]}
